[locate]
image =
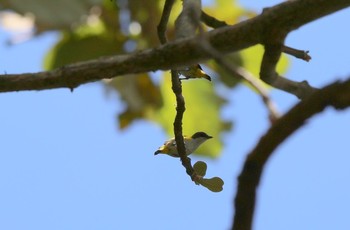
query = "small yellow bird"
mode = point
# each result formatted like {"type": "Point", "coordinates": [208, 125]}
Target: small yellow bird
{"type": "Point", "coordinates": [191, 144]}
{"type": "Point", "coordinates": [194, 71]}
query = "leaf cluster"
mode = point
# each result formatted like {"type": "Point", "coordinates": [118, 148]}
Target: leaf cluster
{"type": "Point", "coordinates": [94, 28]}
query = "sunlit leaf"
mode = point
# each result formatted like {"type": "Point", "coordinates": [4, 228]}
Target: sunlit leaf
{"type": "Point", "coordinates": [228, 11]}
{"type": "Point", "coordinates": [252, 60]}
{"type": "Point", "coordinates": [231, 13]}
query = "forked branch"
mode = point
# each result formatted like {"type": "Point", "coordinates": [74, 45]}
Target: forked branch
{"type": "Point", "coordinates": [336, 95]}
{"type": "Point", "coordinates": [286, 16]}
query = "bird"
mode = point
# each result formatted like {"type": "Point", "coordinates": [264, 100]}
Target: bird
{"type": "Point", "coordinates": [194, 71]}
{"type": "Point", "coordinates": [191, 144]}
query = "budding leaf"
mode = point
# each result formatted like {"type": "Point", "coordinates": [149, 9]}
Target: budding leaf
{"type": "Point", "coordinates": [200, 168]}
{"type": "Point", "coordinates": [214, 184]}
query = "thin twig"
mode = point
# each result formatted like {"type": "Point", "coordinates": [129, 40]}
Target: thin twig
{"type": "Point", "coordinates": [180, 109]}
{"type": "Point", "coordinates": [336, 95]}
{"type": "Point", "coordinates": [212, 21]}
{"type": "Point", "coordinates": [240, 72]}
{"type": "Point", "coordinates": [301, 54]}
{"type": "Point", "coordinates": [177, 89]}
{"type": "Point", "coordinates": [246, 76]}
{"type": "Point", "coordinates": [161, 28]}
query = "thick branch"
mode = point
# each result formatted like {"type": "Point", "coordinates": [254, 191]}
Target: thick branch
{"type": "Point", "coordinates": [336, 95]}
{"type": "Point", "coordinates": [214, 23]}
{"type": "Point", "coordinates": [286, 16]}
{"type": "Point", "coordinates": [268, 73]}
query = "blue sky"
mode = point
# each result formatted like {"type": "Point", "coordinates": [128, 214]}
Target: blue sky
{"type": "Point", "coordinates": [65, 165]}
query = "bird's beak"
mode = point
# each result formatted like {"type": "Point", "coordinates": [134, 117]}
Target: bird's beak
{"type": "Point", "coordinates": [210, 137]}
{"type": "Point", "coordinates": [157, 152]}
{"type": "Point", "coordinates": [207, 77]}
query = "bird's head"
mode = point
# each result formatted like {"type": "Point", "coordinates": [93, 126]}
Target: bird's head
{"type": "Point", "coordinates": [201, 135]}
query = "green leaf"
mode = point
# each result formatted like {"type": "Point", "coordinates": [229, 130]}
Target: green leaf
{"type": "Point", "coordinates": [87, 41]}
{"type": "Point", "coordinates": [51, 15]}
{"type": "Point", "coordinates": [73, 49]}
{"type": "Point", "coordinates": [202, 113]}
{"type": "Point", "coordinates": [214, 184]}
{"type": "Point", "coordinates": [224, 77]}
{"type": "Point", "coordinates": [139, 93]}
{"type": "Point", "coordinates": [200, 168]}
{"type": "Point", "coordinates": [228, 11]}
{"type": "Point", "coordinates": [252, 58]}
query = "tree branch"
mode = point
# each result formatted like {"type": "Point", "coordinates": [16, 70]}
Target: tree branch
{"type": "Point", "coordinates": [177, 89]}
{"type": "Point", "coordinates": [242, 74]}
{"type": "Point", "coordinates": [180, 110]}
{"type": "Point", "coordinates": [161, 28]}
{"type": "Point", "coordinates": [301, 54]}
{"type": "Point", "coordinates": [271, 57]}
{"type": "Point", "coordinates": [285, 17]}
{"type": "Point", "coordinates": [336, 95]}
{"type": "Point", "coordinates": [269, 75]}
{"type": "Point", "coordinates": [214, 23]}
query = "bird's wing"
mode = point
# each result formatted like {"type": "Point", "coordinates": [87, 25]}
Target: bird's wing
{"type": "Point", "coordinates": [170, 142]}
